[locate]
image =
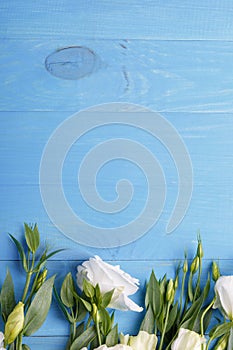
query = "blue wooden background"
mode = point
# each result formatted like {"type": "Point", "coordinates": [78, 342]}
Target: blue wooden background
{"type": "Point", "coordinates": [174, 57]}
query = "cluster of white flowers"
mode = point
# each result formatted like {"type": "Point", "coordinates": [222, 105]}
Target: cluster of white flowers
{"type": "Point", "coordinates": [142, 341]}
{"type": "Point", "coordinates": [109, 277]}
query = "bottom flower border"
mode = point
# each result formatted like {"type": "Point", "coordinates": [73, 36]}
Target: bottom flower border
{"type": "Point", "coordinates": [177, 314]}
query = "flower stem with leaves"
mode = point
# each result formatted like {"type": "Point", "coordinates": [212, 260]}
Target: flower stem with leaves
{"type": "Point", "coordinates": [27, 316]}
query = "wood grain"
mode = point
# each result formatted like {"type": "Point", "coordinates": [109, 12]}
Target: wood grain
{"type": "Point", "coordinates": [183, 76]}
{"type": "Point", "coordinates": [175, 57]}
{"type": "Point", "coordinates": [173, 20]}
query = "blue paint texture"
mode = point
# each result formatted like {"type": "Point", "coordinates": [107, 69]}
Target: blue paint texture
{"type": "Point", "coordinates": [174, 57]}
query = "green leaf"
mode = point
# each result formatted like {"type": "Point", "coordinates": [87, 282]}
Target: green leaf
{"type": "Point", "coordinates": [67, 290]}
{"type": "Point", "coordinates": [148, 323]}
{"type": "Point", "coordinates": [45, 257]}
{"type": "Point", "coordinates": [191, 314]}
{"type": "Point", "coordinates": [153, 295]}
{"type": "Point", "coordinates": [106, 299]}
{"type": "Point", "coordinates": [7, 297]}
{"type": "Point", "coordinates": [112, 337]}
{"type": "Point", "coordinates": [105, 321]}
{"type": "Point", "coordinates": [86, 304]}
{"type": "Point", "coordinates": [65, 312]}
{"type": "Point", "coordinates": [172, 317]}
{"type": "Point", "coordinates": [220, 330]}
{"type": "Point", "coordinates": [81, 310]}
{"type": "Point", "coordinates": [207, 319]}
{"type": "Point", "coordinates": [21, 252]}
{"type": "Point", "coordinates": [222, 342]}
{"type": "Point", "coordinates": [32, 237]}
{"type": "Point", "coordinates": [39, 308]}
{"type": "Point", "coordinates": [162, 285]}
{"type": "Point", "coordinates": [79, 331]}
{"type": "Point", "coordinates": [98, 294]}
{"type": "Point", "coordinates": [88, 289]}
{"type": "Point", "coordinates": [84, 339]}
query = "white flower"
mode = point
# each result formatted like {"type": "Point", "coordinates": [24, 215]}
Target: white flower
{"type": "Point", "coordinates": [115, 347]}
{"type": "Point", "coordinates": [143, 341]}
{"type": "Point", "coordinates": [224, 296]}
{"type": "Point", "coordinates": [109, 277]}
{"type": "Point", "coordinates": [2, 341]}
{"type": "Point", "coordinates": [188, 340]}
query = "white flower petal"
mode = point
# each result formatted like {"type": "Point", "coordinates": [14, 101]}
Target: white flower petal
{"type": "Point", "coordinates": [1, 339]}
{"type": "Point", "coordinates": [116, 347]}
{"type": "Point", "coordinates": [123, 303]}
{"type": "Point", "coordinates": [143, 341]}
{"type": "Point", "coordinates": [109, 277]}
{"type": "Point", "coordinates": [188, 340]}
{"type": "Point", "coordinates": [223, 289]}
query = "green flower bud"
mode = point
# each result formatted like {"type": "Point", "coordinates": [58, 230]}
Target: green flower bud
{"type": "Point", "coordinates": [41, 279]}
{"type": "Point", "coordinates": [215, 271]}
{"type": "Point", "coordinates": [200, 252]}
{"type": "Point", "coordinates": [176, 283]}
{"type": "Point", "coordinates": [14, 324]}
{"type": "Point", "coordinates": [170, 291]}
{"type": "Point", "coordinates": [94, 311]}
{"type": "Point", "coordinates": [195, 265]}
{"type": "Point", "coordinates": [185, 266]}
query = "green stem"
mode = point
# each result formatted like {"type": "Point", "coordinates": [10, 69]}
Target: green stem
{"type": "Point", "coordinates": [198, 279]}
{"type": "Point", "coordinates": [26, 287]}
{"type": "Point", "coordinates": [182, 295]}
{"type": "Point", "coordinates": [19, 340]}
{"type": "Point", "coordinates": [202, 321]}
{"type": "Point", "coordinates": [73, 330]}
{"type": "Point", "coordinates": [28, 279]}
{"type": "Point", "coordinates": [190, 286]}
{"type": "Point", "coordinates": [89, 321]}
{"type": "Point", "coordinates": [32, 289]}
{"type": "Point", "coordinates": [165, 326]}
{"type": "Point", "coordinates": [98, 329]}
{"type": "Point", "coordinates": [208, 344]}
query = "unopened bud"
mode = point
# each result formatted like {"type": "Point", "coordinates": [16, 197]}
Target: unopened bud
{"type": "Point", "coordinates": [176, 282]}
{"type": "Point", "coordinates": [41, 279]}
{"type": "Point", "coordinates": [14, 324]}
{"type": "Point", "coordinates": [195, 264]}
{"type": "Point", "coordinates": [215, 271]}
{"type": "Point", "coordinates": [185, 266]}
{"type": "Point", "coordinates": [200, 252]}
{"type": "Point", "coordinates": [170, 291]}
{"type": "Point", "coordinates": [94, 310]}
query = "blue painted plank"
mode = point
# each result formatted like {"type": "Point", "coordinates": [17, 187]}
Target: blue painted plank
{"type": "Point", "coordinates": [165, 76]}
{"type": "Point", "coordinates": [190, 19]}
{"type": "Point", "coordinates": [209, 142]}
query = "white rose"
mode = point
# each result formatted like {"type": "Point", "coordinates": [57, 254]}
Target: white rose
{"type": "Point", "coordinates": [188, 340]}
{"type": "Point", "coordinates": [109, 277]}
{"type": "Point", "coordinates": [143, 341]}
{"type": "Point", "coordinates": [224, 296]}
{"type": "Point", "coordinates": [2, 341]}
